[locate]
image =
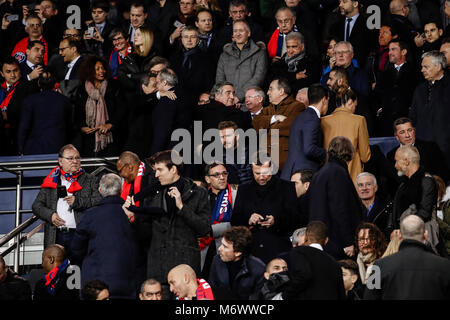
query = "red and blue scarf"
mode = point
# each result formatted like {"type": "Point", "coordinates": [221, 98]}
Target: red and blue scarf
{"type": "Point", "coordinates": [221, 213]}
{"type": "Point", "coordinates": [6, 98]}
{"type": "Point", "coordinates": [54, 178]}
{"type": "Point", "coordinates": [52, 278]}
{"type": "Point", "coordinates": [115, 60]}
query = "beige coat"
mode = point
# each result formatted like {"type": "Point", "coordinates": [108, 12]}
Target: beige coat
{"type": "Point", "coordinates": [342, 122]}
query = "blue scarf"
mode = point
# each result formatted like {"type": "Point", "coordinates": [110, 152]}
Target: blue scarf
{"type": "Point", "coordinates": [223, 207]}
{"type": "Point", "coordinates": [52, 278]}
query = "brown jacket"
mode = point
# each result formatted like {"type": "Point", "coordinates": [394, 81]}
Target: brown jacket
{"type": "Point", "coordinates": [290, 108]}
{"type": "Point", "coordinates": [342, 122]}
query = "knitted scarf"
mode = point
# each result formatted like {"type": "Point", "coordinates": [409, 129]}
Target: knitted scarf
{"type": "Point", "coordinates": [115, 59]}
{"type": "Point", "coordinates": [221, 213]}
{"type": "Point", "coordinates": [52, 278]}
{"type": "Point", "coordinates": [363, 260]}
{"type": "Point", "coordinates": [126, 188]}
{"type": "Point", "coordinates": [97, 114]}
{"type": "Point", "coordinates": [54, 178]}
{"type": "Point", "coordinates": [292, 62]}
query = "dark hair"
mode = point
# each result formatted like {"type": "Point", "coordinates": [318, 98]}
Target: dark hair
{"type": "Point", "coordinates": [158, 60]}
{"type": "Point", "coordinates": [283, 83]}
{"type": "Point", "coordinates": [317, 231]}
{"type": "Point", "coordinates": [435, 21]}
{"type": "Point", "coordinates": [400, 121]}
{"type": "Point", "coordinates": [100, 5]}
{"type": "Point", "coordinates": [227, 124]}
{"type": "Point", "coordinates": [238, 3]}
{"type": "Point", "coordinates": [212, 165]}
{"type": "Point", "coordinates": [402, 44]}
{"type": "Point", "coordinates": [441, 188]}
{"type": "Point", "coordinates": [341, 148]}
{"type": "Point", "coordinates": [92, 288]}
{"type": "Point", "coordinates": [325, 45]}
{"type": "Point", "coordinates": [350, 265]}
{"type": "Point", "coordinates": [31, 44]}
{"type": "Point", "coordinates": [167, 157]}
{"type": "Point", "coordinates": [115, 32]}
{"type": "Point", "coordinates": [305, 175]}
{"type": "Point", "coordinates": [446, 40]}
{"type": "Point", "coordinates": [241, 237]}
{"type": "Point", "coordinates": [71, 42]}
{"type": "Point", "coordinates": [260, 158]}
{"type": "Point", "coordinates": [9, 60]}
{"type": "Point", "coordinates": [139, 4]}
{"type": "Point", "coordinates": [316, 92]}
{"type": "Point", "coordinates": [391, 27]}
{"type": "Point", "coordinates": [87, 68]}
{"type": "Point", "coordinates": [376, 236]}
{"type": "Point", "coordinates": [200, 10]}
{"type": "Point", "coordinates": [46, 81]}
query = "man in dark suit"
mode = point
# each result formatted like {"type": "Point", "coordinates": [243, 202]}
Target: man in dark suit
{"type": "Point", "coordinates": [267, 205]}
{"type": "Point", "coordinates": [352, 27]}
{"type": "Point", "coordinates": [313, 273]}
{"type": "Point", "coordinates": [431, 157]}
{"type": "Point", "coordinates": [395, 87]}
{"type": "Point", "coordinates": [12, 93]}
{"type": "Point", "coordinates": [69, 49]}
{"type": "Point", "coordinates": [114, 260]}
{"type": "Point", "coordinates": [32, 67]}
{"type": "Point", "coordinates": [98, 42]}
{"type": "Point", "coordinates": [45, 120]}
{"type": "Point", "coordinates": [195, 69]}
{"type": "Point", "coordinates": [305, 151]}
{"type": "Point", "coordinates": [414, 272]}
{"type": "Point", "coordinates": [334, 200]}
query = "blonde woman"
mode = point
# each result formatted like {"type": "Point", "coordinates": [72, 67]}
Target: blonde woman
{"type": "Point", "coordinates": [137, 64]}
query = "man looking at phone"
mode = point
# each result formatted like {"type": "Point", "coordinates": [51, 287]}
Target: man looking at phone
{"type": "Point", "coordinates": [266, 205]}
{"type": "Point", "coordinates": [65, 193]}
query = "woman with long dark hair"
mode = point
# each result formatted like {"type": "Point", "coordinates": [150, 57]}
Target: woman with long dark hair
{"type": "Point", "coordinates": [97, 109]}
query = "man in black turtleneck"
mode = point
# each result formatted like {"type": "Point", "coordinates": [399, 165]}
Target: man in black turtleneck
{"type": "Point", "coordinates": [267, 205]}
{"type": "Point", "coordinates": [185, 217]}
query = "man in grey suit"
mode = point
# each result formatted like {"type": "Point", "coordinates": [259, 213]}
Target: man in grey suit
{"type": "Point", "coordinates": [305, 143]}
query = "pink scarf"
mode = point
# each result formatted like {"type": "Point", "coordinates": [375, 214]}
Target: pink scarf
{"type": "Point", "coordinates": [97, 114]}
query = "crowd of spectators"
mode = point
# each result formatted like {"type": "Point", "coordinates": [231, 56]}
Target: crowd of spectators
{"type": "Point", "coordinates": [309, 209]}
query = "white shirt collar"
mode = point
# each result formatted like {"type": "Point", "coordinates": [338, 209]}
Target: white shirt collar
{"type": "Point", "coordinates": [316, 110]}
{"type": "Point", "coordinates": [31, 65]}
{"type": "Point", "coordinates": [70, 65]}
{"type": "Point", "coordinates": [317, 246]}
{"type": "Point", "coordinates": [256, 113]}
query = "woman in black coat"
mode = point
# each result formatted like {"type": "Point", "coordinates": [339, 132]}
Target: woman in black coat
{"type": "Point", "coordinates": [98, 110]}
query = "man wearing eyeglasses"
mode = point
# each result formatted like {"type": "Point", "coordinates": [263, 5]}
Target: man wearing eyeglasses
{"type": "Point", "coordinates": [65, 193]}
{"type": "Point", "coordinates": [221, 196]}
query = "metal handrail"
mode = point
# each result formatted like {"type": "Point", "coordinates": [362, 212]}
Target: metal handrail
{"type": "Point", "coordinates": [22, 239]}
{"type": "Point", "coordinates": [17, 168]}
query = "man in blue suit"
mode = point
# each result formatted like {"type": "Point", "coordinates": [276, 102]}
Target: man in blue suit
{"type": "Point", "coordinates": [45, 122]}
{"type": "Point", "coordinates": [305, 143]}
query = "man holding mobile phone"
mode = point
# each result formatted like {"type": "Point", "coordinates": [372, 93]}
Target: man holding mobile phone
{"type": "Point", "coordinates": [66, 192]}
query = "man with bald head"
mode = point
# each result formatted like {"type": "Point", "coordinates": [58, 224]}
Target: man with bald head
{"type": "Point", "coordinates": [56, 284]}
{"type": "Point", "coordinates": [419, 187]}
{"type": "Point", "coordinates": [413, 272]}
{"type": "Point", "coordinates": [185, 285]}
{"type": "Point", "coordinates": [399, 16]}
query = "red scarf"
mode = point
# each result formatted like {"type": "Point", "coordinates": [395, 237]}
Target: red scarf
{"type": "Point", "coordinates": [5, 102]}
{"type": "Point", "coordinates": [273, 43]}
{"type": "Point", "coordinates": [204, 291]}
{"type": "Point", "coordinates": [126, 188]}
{"type": "Point", "coordinates": [54, 177]}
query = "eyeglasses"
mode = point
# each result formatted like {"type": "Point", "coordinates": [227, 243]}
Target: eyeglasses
{"type": "Point", "coordinates": [118, 39]}
{"type": "Point", "coordinates": [62, 49]}
{"type": "Point", "coordinates": [285, 21]}
{"type": "Point", "coordinates": [72, 158]}
{"type": "Point", "coordinates": [219, 174]}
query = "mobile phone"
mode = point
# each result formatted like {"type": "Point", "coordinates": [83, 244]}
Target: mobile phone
{"type": "Point", "coordinates": [91, 31]}
{"type": "Point", "coordinates": [177, 24]}
{"type": "Point", "coordinates": [262, 219]}
{"type": "Point", "coordinates": [61, 191]}
{"type": "Point", "coordinates": [12, 17]}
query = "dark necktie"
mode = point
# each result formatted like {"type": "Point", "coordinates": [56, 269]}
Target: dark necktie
{"type": "Point", "coordinates": [347, 31]}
